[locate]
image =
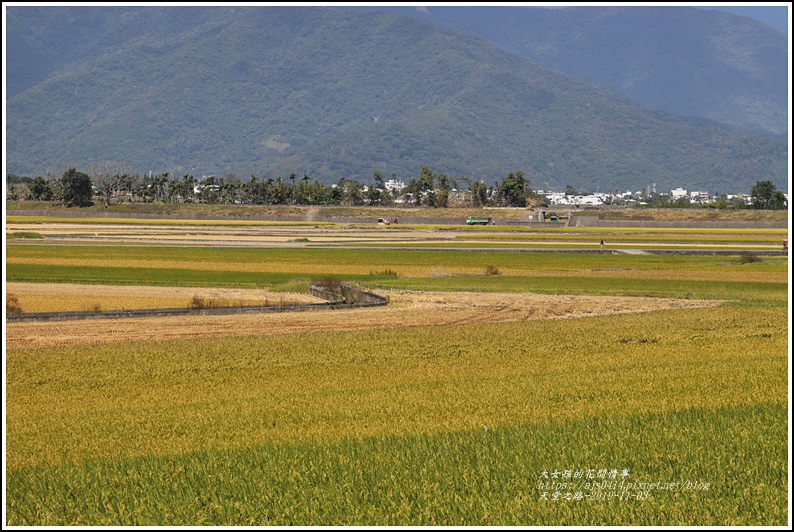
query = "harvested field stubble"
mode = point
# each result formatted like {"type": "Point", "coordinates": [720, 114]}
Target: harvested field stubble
{"type": "Point", "coordinates": [67, 297]}
{"type": "Point", "coordinates": [405, 309]}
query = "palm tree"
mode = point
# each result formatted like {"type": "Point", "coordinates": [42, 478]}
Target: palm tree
{"type": "Point", "coordinates": [292, 178]}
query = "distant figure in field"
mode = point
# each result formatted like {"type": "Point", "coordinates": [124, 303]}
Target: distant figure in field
{"type": "Point", "coordinates": [602, 246]}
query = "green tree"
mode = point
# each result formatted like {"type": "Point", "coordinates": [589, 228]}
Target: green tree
{"type": "Point", "coordinates": [514, 190]}
{"type": "Point", "coordinates": [77, 189]}
{"type": "Point", "coordinates": [278, 191]}
{"type": "Point", "coordinates": [137, 188]}
{"type": "Point", "coordinates": [187, 188]}
{"type": "Point", "coordinates": [253, 191]}
{"type": "Point", "coordinates": [40, 189]}
{"type": "Point", "coordinates": [319, 194]}
{"type": "Point", "coordinates": [377, 193]}
{"type": "Point", "coordinates": [422, 190]}
{"type": "Point", "coordinates": [352, 192]}
{"type": "Point", "coordinates": [303, 192]}
{"type": "Point", "coordinates": [230, 189]}
{"type": "Point", "coordinates": [208, 190]}
{"type": "Point", "coordinates": [292, 178]}
{"type": "Point", "coordinates": [779, 201]}
{"type": "Point", "coordinates": [444, 184]}
{"type": "Point", "coordinates": [765, 196]}
{"type": "Point", "coordinates": [479, 193]}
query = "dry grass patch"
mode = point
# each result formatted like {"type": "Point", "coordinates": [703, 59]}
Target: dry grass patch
{"type": "Point", "coordinates": [13, 306]}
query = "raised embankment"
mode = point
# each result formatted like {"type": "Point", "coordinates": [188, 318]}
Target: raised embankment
{"type": "Point", "coordinates": [343, 296]}
{"type": "Point", "coordinates": [408, 218]}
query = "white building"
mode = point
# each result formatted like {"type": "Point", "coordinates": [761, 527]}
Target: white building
{"type": "Point", "coordinates": [746, 198]}
{"type": "Point", "coordinates": [201, 187]}
{"type": "Point", "coordinates": [557, 198]}
{"type": "Point", "coordinates": [678, 193]}
{"type": "Point", "coordinates": [590, 200]}
{"type": "Point", "coordinates": [394, 186]}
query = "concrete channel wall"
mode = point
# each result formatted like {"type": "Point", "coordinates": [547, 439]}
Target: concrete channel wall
{"type": "Point", "coordinates": [535, 225]}
{"type": "Point", "coordinates": [594, 221]}
{"type": "Point", "coordinates": [359, 299]}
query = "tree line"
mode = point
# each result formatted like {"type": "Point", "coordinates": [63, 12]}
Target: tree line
{"type": "Point", "coordinates": [112, 183]}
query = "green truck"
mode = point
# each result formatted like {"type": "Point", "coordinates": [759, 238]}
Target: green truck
{"type": "Point", "coordinates": [475, 220]}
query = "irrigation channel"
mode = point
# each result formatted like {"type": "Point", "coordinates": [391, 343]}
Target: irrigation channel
{"type": "Point", "coordinates": [337, 296]}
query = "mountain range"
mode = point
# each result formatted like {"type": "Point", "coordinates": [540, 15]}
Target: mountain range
{"type": "Point", "coordinates": [333, 93]}
{"type": "Point", "coordinates": [682, 60]}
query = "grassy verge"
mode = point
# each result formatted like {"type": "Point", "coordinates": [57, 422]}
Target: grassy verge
{"type": "Point", "coordinates": [24, 234]}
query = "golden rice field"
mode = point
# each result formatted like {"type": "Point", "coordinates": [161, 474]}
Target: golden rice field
{"type": "Point", "coordinates": [134, 399]}
{"type": "Point", "coordinates": [444, 408]}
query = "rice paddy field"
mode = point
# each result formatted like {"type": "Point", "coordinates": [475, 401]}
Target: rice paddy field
{"type": "Point", "coordinates": [497, 388]}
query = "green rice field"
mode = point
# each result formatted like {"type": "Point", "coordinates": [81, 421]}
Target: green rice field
{"type": "Point", "coordinates": [637, 275]}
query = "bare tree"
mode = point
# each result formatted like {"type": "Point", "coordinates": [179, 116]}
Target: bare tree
{"type": "Point", "coordinates": [56, 170]}
{"type": "Point", "coordinates": [109, 177]}
{"type": "Point", "coordinates": [17, 191]}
